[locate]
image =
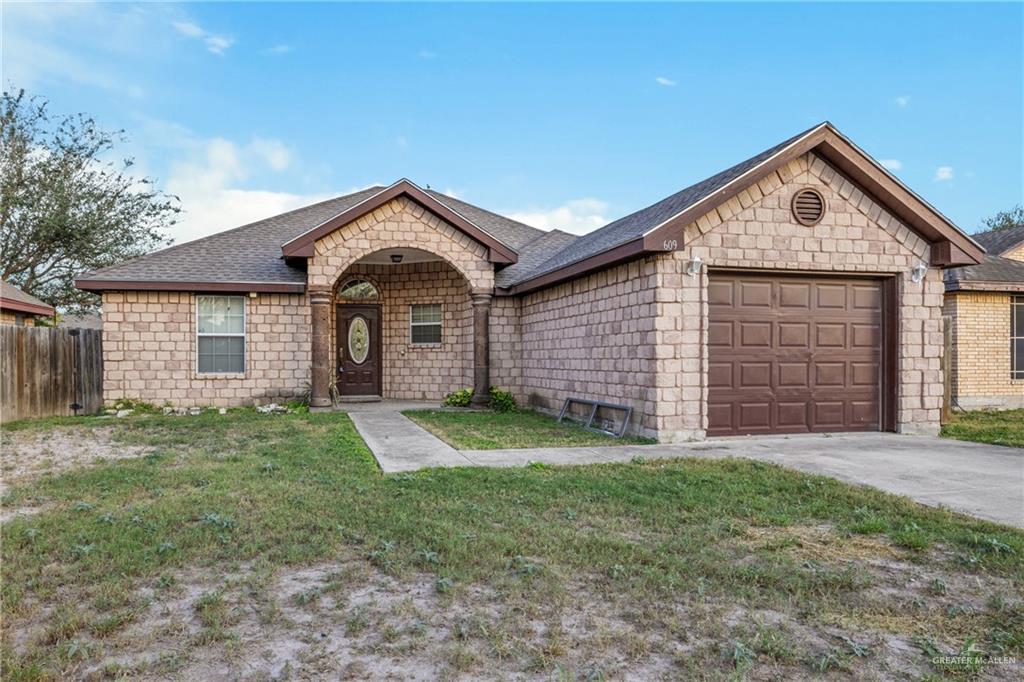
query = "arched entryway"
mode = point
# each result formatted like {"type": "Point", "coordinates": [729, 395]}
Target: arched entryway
{"type": "Point", "coordinates": [404, 324]}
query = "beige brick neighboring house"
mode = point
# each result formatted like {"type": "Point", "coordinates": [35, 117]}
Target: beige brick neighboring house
{"type": "Point", "coordinates": [985, 307]}
{"type": "Point", "coordinates": [19, 308]}
{"type": "Point", "coordinates": [800, 290]}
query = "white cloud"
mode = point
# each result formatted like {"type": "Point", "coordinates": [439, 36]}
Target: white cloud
{"type": "Point", "coordinates": [426, 54]}
{"type": "Point", "coordinates": [667, 82]}
{"type": "Point", "coordinates": [208, 180]}
{"type": "Point", "coordinates": [577, 216]}
{"type": "Point", "coordinates": [903, 101]}
{"type": "Point", "coordinates": [943, 173]}
{"type": "Point", "coordinates": [891, 164]}
{"type": "Point", "coordinates": [274, 152]}
{"type": "Point", "coordinates": [279, 49]}
{"type": "Point", "coordinates": [215, 43]}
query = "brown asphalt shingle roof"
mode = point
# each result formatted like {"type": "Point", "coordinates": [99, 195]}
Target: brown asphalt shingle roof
{"type": "Point", "coordinates": [9, 292]}
{"type": "Point", "coordinates": [998, 242]}
{"type": "Point", "coordinates": [995, 273]}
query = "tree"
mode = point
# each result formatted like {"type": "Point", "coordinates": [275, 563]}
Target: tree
{"type": "Point", "coordinates": [1005, 220]}
{"type": "Point", "coordinates": [66, 206]}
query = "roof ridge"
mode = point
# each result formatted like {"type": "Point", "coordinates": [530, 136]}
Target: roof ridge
{"type": "Point", "coordinates": [173, 247]}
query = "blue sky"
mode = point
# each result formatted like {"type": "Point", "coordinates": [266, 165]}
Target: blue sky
{"type": "Point", "coordinates": [561, 115]}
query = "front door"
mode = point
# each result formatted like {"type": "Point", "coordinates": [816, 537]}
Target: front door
{"type": "Point", "coordinates": [359, 347]}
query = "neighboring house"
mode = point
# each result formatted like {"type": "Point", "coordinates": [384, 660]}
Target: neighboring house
{"type": "Point", "coordinates": [985, 304]}
{"type": "Point", "coordinates": [19, 308]}
{"type": "Point", "coordinates": [797, 291]}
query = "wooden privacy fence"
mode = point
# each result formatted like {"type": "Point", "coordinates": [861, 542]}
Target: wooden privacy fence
{"type": "Point", "coordinates": [48, 371]}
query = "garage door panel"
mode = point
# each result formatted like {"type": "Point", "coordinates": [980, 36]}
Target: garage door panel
{"type": "Point", "coordinates": [755, 334]}
{"type": "Point", "coordinates": [794, 334]}
{"type": "Point", "coordinates": [756, 294]}
{"type": "Point", "coordinates": [792, 414]}
{"type": "Point", "coordinates": [831, 296]}
{"type": "Point", "coordinates": [830, 335]}
{"type": "Point", "coordinates": [793, 353]}
{"type": "Point", "coordinates": [794, 295]}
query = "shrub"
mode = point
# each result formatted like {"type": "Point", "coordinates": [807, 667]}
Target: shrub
{"type": "Point", "coordinates": [502, 401]}
{"type": "Point", "coordinates": [459, 398]}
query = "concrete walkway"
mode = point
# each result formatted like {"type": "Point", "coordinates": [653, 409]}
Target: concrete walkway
{"type": "Point", "coordinates": [986, 481]}
{"type": "Point", "coordinates": [396, 442]}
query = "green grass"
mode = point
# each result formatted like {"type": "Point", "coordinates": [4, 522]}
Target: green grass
{"type": "Point", "coordinates": [290, 490]}
{"type": "Point", "coordinates": [519, 429]}
{"type": "Point", "coordinates": [1004, 427]}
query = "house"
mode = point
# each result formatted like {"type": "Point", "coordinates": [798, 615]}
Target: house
{"type": "Point", "coordinates": [800, 290]}
{"type": "Point", "coordinates": [81, 321]}
{"type": "Point", "coordinates": [985, 306]}
{"type": "Point", "coordinates": [19, 308]}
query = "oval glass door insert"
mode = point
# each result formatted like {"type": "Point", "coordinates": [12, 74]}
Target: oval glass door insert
{"type": "Point", "coordinates": [358, 340]}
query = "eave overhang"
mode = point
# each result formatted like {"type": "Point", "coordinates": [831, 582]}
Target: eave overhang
{"type": "Point", "coordinates": [100, 285]}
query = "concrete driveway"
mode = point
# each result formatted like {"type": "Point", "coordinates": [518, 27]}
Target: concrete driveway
{"type": "Point", "coordinates": [986, 481]}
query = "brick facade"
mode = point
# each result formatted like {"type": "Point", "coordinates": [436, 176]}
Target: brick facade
{"type": "Point", "coordinates": [149, 350]}
{"type": "Point", "coordinates": [980, 327]}
{"type": "Point", "coordinates": [13, 318]}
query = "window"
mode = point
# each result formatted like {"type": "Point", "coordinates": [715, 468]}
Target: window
{"type": "Point", "coordinates": [358, 289]}
{"type": "Point", "coordinates": [425, 323]}
{"type": "Point", "coordinates": [220, 334]}
{"type": "Point", "coordinates": [1017, 337]}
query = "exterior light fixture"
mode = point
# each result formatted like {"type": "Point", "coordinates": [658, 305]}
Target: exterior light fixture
{"type": "Point", "coordinates": [918, 273]}
{"type": "Point", "coordinates": [396, 258]}
{"type": "Point", "coordinates": [693, 267]}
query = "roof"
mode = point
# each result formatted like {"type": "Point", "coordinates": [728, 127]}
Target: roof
{"type": "Point", "coordinates": [13, 298]}
{"type": "Point", "coordinates": [249, 258]}
{"type": "Point", "coordinates": [639, 223]}
{"type": "Point", "coordinates": [999, 242]}
{"type": "Point", "coordinates": [994, 273]}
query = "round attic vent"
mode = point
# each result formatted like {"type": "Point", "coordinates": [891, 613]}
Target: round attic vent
{"type": "Point", "coordinates": [808, 206]}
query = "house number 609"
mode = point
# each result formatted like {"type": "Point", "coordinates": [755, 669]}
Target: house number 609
{"type": "Point", "coordinates": [670, 244]}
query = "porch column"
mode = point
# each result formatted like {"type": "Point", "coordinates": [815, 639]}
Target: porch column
{"type": "Point", "coordinates": [320, 383]}
{"type": "Point", "coordinates": [481, 349]}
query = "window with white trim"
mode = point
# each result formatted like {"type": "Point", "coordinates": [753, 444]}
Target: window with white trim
{"type": "Point", "coordinates": [1017, 337]}
{"type": "Point", "coordinates": [220, 334]}
{"type": "Point", "coordinates": [425, 323]}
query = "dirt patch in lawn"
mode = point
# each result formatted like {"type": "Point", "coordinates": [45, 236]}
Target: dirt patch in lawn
{"type": "Point", "coordinates": [31, 454]}
{"type": "Point", "coordinates": [348, 620]}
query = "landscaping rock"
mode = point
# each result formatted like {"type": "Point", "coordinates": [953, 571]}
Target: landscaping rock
{"type": "Point", "coordinates": [195, 411]}
{"type": "Point", "coordinates": [272, 408]}
{"type": "Point", "coordinates": [168, 410]}
{"type": "Point", "coordinates": [124, 413]}
{"type": "Point", "coordinates": [222, 410]}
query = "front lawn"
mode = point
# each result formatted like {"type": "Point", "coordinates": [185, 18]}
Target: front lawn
{"type": "Point", "coordinates": [518, 429]}
{"type": "Point", "coordinates": [266, 546]}
{"type": "Point", "coordinates": [1005, 427]}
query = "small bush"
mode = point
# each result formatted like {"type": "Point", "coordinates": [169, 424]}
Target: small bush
{"type": "Point", "coordinates": [502, 401]}
{"type": "Point", "coordinates": [459, 398]}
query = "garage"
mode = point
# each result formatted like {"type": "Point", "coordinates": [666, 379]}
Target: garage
{"type": "Point", "coordinates": [797, 354]}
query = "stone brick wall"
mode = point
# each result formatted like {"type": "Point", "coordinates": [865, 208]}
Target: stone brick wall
{"type": "Point", "coordinates": [149, 350]}
{"type": "Point", "coordinates": [595, 338]}
{"type": "Point", "coordinates": [981, 350]}
{"type": "Point", "coordinates": [1015, 254]}
{"type": "Point", "coordinates": [506, 340]}
{"type": "Point", "coordinates": [11, 317]}
{"type": "Point", "coordinates": [417, 372]}
{"type": "Point", "coordinates": [756, 229]}
{"type": "Point", "coordinates": [399, 223]}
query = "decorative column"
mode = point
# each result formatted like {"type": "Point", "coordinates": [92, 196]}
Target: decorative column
{"type": "Point", "coordinates": [320, 303]}
{"type": "Point", "coordinates": [481, 349]}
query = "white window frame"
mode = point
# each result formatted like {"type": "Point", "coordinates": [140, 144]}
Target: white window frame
{"type": "Point", "coordinates": [244, 335]}
{"type": "Point", "coordinates": [1016, 309]}
{"type": "Point", "coordinates": [440, 324]}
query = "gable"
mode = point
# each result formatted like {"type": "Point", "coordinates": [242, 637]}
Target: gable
{"type": "Point", "coordinates": [757, 227]}
{"type": "Point", "coordinates": [303, 246]}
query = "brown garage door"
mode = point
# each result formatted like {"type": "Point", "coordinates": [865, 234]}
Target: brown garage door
{"type": "Point", "coordinates": [793, 354]}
